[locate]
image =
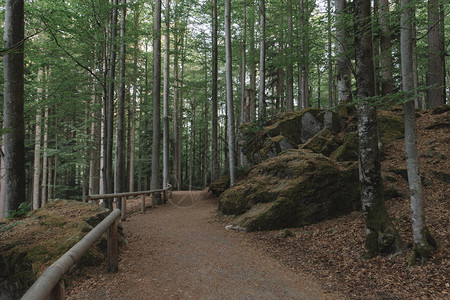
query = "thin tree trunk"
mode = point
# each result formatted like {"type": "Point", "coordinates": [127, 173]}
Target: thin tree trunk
{"type": "Point", "coordinates": [423, 241]}
{"type": "Point", "coordinates": [229, 84]}
{"type": "Point", "coordinates": [214, 108]}
{"type": "Point", "coordinates": [13, 105]}
{"type": "Point", "coordinates": [2, 184]}
{"type": "Point", "coordinates": [381, 235]}
{"type": "Point", "coordinates": [252, 67]}
{"type": "Point", "coordinates": [108, 176]}
{"type": "Point", "coordinates": [176, 134]}
{"type": "Point", "coordinates": [155, 182]}
{"type": "Point", "coordinates": [44, 159]}
{"type": "Point", "coordinates": [166, 98]}
{"type": "Point", "coordinates": [262, 60]}
{"type": "Point", "coordinates": [342, 62]}
{"type": "Point", "coordinates": [435, 92]}
{"type": "Point", "coordinates": [386, 53]}
{"type": "Point", "coordinates": [94, 168]}
{"type": "Point", "coordinates": [37, 148]}
{"type": "Point", "coordinates": [119, 182]}
{"type": "Point", "coordinates": [330, 60]}
{"type": "Point", "coordinates": [242, 158]}
{"type": "Point", "coordinates": [289, 67]}
{"type": "Point", "coordinates": [131, 169]}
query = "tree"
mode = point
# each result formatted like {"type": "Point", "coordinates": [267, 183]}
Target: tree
{"type": "Point", "coordinates": [37, 148]}
{"type": "Point", "coordinates": [423, 241]}
{"type": "Point", "coordinates": [13, 106]}
{"type": "Point", "coordinates": [262, 60]}
{"type": "Point", "coordinates": [120, 174]}
{"type": "Point", "coordinates": [214, 108]}
{"type": "Point", "coordinates": [436, 91]}
{"type": "Point", "coordinates": [229, 83]}
{"type": "Point", "coordinates": [330, 59]}
{"type": "Point", "coordinates": [290, 67]}
{"type": "Point", "coordinates": [381, 235]}
{"type": "Point", "coordinates": [343, 69]}
{"type": "Point", "coordinates": [166, 98]}
{"type": "Point", "coordinates": [155, 183]}
{"type": "Point", "coordinates": [385, 47]}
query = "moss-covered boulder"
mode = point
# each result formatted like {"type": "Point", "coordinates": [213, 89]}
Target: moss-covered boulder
{"type": "Point", "coordinates": [287, 131]}
{"type": "Point", "coordinates": [324, 142]}
{"type": "Point", "coordinates": [296, 188]}
{"type": "Point", "coordinates": [220, 185]}
{"type": "Point", "coordinates": [29, 245]}
{"type": "Point", "coordinates": [390, 126]}
{"type": "Point", "coordinates": [348, 151]}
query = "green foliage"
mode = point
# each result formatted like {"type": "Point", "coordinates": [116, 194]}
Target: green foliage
{"type": "Point", "coordinates": [21, 212]}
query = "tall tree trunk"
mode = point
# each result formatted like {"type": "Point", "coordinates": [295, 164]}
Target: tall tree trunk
{"type": "Point", "coordinates": [45, 158]}
{"type": "Point", "coordinates": [423, 241]}
{"type": "Point", "coordinates": [435, 92]}
{"type": "Point", "coordinates": [303, 69]}
{"type": "Point", "coordinates": [155, 183]}
{"type": "Point", "coordinates": [94, 167]}
{"type": "Point", "coordinates": [166, 98]}
{"type": "Point", "coordinates": [2, 184]}
{"type": "Point", "coordinates": [176, 119]}
{"type": "Point", "coordinates": [385, 46]}
{"type": "Point", "coordinates": [242, 157]}
{"type": "Point", "coordinates": [262, 60]}
{"type": "Point", "coordinates": [252, 67]}
{"type": "Point", "coordinates": [344, 72]}
{"type": "Point", "coordinates": [120, 139]}
{"type": "Point", "coordinates": [37, 148]}
{"type": "Point", "coordinates": [214, 108]}
{"type": "Point", "coordinates": [381, 235]}
{"type": "Point", "coordinates": [330, 59]}
{"type": "Point", "coordinates": [13, 105]}
{"type": "Point", "coordinates": [131, 168]}
{"type": "Point", "coordinates": [108, 176]}
{"type": "Point", "coordinates": [192, 147]}
{"type": "Point", "coordinates": [229, 83]}
{"type": "Point", "coordinates": [289, 66]}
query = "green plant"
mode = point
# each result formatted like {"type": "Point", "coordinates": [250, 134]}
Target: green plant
{"type": "Point", "coordinates": [23, 209]}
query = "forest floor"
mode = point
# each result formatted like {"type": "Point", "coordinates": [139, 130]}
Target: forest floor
{"type": "Point", "coordinates": [183, 252]}
{"type": "Point", "coordinates": [180, 251]}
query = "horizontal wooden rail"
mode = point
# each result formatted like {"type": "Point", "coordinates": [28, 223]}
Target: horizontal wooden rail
{"type": "Point", "coordinates": [47, 287]}
{"type": "Point", "coordinates": [124, 196]}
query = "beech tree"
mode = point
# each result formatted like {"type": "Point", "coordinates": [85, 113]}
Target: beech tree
{"type": "Point", "coordinates": [343, 68]}
{"type": "Point", "coordinates": [155, 181]}
{"type": "Point", "coordinates": [423, 241]}
{"type": "Point", "coordinates": [13, 106]}
{"type": "Point", "coordinates": [262, 60]}
{"type": "Point", "coordinates": [229, 83]}
{"type": "Point", "coordinates": [381, 235]}
{"type": "Point", "coordinates": [214, 107]}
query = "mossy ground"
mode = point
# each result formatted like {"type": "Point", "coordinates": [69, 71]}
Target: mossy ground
{"type": "Point", "coordinates": [29, 245]}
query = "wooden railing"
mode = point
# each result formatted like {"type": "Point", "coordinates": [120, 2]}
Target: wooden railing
{"type": "Point", "coordinates": [50, 286]}
{"type": "Point", "coordinates": [166, 194]}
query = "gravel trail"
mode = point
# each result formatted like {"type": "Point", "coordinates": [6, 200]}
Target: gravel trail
{"type": "Point", "coordinates": [179, 251]}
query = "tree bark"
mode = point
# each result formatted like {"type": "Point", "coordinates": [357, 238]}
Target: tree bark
{"type": "Point", "coordinates": [330, 60]}
{"type": "Point", "coordinates": [242, 157]}
{"type": "Point", "coordinates": [155, 182]}
{"type": "Point", "coordinates": [166, 98]}
{"type": "Point", "coordinates": [37, 152]}
{"type": "Point", "coordinates": [435, 92]}
{"type": "Point", "coordinates": [120, 138]}
{"type": "Point", "coordinates": [289, 67]}
{"type": "Point", "coordinates": [252, 67]}
{"type": "Point", "coordinates": [13, 105]}
{"type": "Point", "coordinates": [423, 241]}
{"type": "Point", "coordinates": [229, 83]}
{"type": "Point", "coordinates": [262, 60]}
{"type": "Point", "coordinates": [385, 46]}
{"type": "Point", "coordinates": [381, 235]}
{"type": "Point", "coordinates": [343, 69]}
{"type": "Point", "coordinates": [214, 108]}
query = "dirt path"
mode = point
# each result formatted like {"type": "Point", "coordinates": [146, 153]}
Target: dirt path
{"type": "Point", "coordinates": [178, 251]}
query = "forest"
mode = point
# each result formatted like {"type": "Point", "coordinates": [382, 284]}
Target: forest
{"type": "Point", "coordinates": [111, 96]}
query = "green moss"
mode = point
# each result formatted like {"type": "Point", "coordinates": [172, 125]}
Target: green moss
{"type": "Point", "coordinates": [391, 127]}
{"type": "Point", "coordinates": [421, 252]}
{"type": "Point", "coordinates": [325, 142]}
{"type": "Point", "coordinates": [348, 151]}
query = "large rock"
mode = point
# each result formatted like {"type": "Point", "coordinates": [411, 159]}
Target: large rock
{"type": "Point", "coordinates": [296, 188]}
{"type": "Point", "coordinates": [288, 131]}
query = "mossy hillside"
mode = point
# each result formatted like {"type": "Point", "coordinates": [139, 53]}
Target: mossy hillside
{"type": "Point", "coordinates": [30, 245]}
{"type": "Point", "coordinates": [390, 126]}
{"type": "Point", "coordinates": [302, 188]}
{"type": "Point", "coordinates": [325, 142]}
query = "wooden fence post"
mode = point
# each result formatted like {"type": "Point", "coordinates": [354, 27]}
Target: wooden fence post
{"type": "Point", "coordinates": [142, 203]}
{"type": "Point", "coordinates": [112, 265]}
{"type": "Point", "coordinates": [58, 292]}
{"type": "Point", "coordinates": [124, 208]}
